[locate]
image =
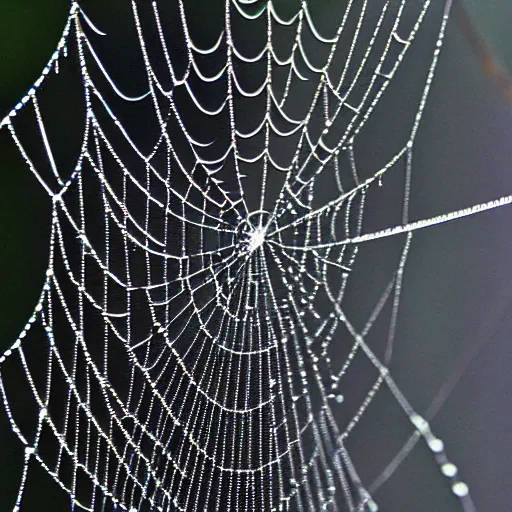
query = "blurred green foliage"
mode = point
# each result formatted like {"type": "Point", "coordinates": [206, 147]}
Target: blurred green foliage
{"type": "Point", "coordinates": [29, 34]}
{"type": "Point", "coordinates": [493, 18]}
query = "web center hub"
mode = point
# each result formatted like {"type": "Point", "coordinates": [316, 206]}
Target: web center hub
{"type": "Point", "coordinates": [253, 231]}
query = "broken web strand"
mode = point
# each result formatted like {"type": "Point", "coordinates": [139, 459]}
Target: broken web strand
{"type": "Point", "coordinates": [347, 471]}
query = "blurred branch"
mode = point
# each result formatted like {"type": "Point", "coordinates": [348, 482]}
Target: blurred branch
{"type": "Point", "coordinates": [490, 64]}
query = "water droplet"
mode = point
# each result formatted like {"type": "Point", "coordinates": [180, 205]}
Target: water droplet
{"type": "Point", "coordinates": [372, 506]}
{"type": "Point", "coordinates": [436, 445]}
{"type": "Point", "coordinates": [420, 423]}
{"type": "Point", "coordinates": [460, 489]}
{"type": "Point", "coordinates": [449, 469]}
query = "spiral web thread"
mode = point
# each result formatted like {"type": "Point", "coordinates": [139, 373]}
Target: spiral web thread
{"type": "Point", "coordinates": [223, 310]}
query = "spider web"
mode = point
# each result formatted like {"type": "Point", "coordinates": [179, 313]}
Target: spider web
{"type": "Point", "coordinates": [192, 347]}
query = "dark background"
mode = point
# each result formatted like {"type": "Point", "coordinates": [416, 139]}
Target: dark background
{"type": "Point", "coordinates": [457, 299]}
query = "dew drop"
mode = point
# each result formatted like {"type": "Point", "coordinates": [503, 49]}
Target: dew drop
{"type": "Point", "coordinates": [449, 469]}
{"type": "Point", "coordinates": [460, 489]}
